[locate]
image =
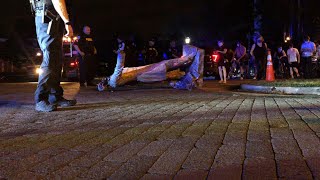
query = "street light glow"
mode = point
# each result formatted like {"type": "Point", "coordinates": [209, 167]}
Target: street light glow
{"type": "Point", "coordinates": [39, 71]}
{"type": "Point", "coordinates": [187, 40]}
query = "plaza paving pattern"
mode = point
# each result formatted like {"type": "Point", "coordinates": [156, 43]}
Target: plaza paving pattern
{"type": "Point", "coordinates": [211, 133]}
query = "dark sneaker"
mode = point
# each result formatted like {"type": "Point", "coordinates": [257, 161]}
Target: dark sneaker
{"type": "Point", "coordinates": [44, 106]}
{"type": "Point", "coordinates": [66, 103]}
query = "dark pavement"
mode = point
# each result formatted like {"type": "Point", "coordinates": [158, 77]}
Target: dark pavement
{"type": "Point", "coordinates": [139, 133]}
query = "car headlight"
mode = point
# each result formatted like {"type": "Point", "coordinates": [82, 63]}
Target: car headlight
{"type": "Point", "coordinates": [39, 71]}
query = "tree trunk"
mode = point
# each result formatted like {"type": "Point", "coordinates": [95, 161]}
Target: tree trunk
{"type": "Point", "coordinates": [257, 24]}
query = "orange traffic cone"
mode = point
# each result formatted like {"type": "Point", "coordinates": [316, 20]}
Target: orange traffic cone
{"type": "Point", "coordinates": [270, 70]}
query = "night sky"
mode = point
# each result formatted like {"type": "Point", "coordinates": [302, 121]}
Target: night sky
{"type": "Point", "coordinates": [145, 18]}
{"type": "Point", "coordinates": [202, 19]}
{"type": "Point", "coordinates": [197, 18]}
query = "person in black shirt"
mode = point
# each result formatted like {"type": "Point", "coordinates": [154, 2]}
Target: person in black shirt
{"type": "Point", "coordinates": [173, 51]}
{"type": "Point", "coordinates": [222, 51]}
{"type": "Point", "coordinates": [280, 62]}
{"type": "Point", "coordinates": [131, 53]}
{"type": "Point", "coordinates": [87, 61]}
{"type": "Point", "coordinates": [259, 53]}
{"type": "Point", "coordinates": [151, 53]}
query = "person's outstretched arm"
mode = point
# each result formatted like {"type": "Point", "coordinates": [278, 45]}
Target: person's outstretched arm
{"type": "Point", "coordinates": [61, 8]}
{"type": "Point", "coordinates": [252, 49]}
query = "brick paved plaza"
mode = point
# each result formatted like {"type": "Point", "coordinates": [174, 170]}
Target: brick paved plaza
{"type": "Point", "coordinates": [212, 133]}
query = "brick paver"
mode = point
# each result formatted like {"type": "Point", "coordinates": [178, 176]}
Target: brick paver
{"type": "Point", "coordinates": [212, 133]}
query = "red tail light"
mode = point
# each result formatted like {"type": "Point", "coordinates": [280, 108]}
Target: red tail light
{"type": "Point", "coordinates": [72, 64]}
{"type": "Point", "coordinates": [215, 58]}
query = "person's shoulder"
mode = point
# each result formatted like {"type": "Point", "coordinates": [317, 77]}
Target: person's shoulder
{"type": "Point", "coordinates": [311, 43]}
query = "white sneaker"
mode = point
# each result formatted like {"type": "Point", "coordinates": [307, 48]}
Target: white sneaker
{"type": "Point", "coordinates": [45, 106]}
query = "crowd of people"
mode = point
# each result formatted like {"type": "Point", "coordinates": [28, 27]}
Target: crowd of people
{"type": "Point", "coordinates": [288, 63]}
{"type": "Point", "coordinates": [149, 53]}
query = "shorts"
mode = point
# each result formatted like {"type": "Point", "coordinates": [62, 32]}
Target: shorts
{"type": "Point", "coordinates": [222, 62]}
{"type": "Point", "coordinates": [294, 64]}
{"type": "Point", "coordinates": [244, 61]}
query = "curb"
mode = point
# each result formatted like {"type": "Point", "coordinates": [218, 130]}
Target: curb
{"type": "Point", "coordinates": [285, 90]}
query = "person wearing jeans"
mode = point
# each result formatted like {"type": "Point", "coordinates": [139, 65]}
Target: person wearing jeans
{"type": "Point", "coordinates": [49, 93]}
{"type": "Point", "coordinates": [308, 49]}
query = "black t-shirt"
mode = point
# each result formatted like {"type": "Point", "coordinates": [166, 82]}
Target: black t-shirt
{"type": "Point", "coordinates": [86, 44]}
{"type": "Point", "coordinates": [151, 52]}
{"type": "Point", "coordinates": [221, 55]}
{"type": "Point", "coordinates": [173, 52]}
{"type": "Point", "coordinates": [260, 52]}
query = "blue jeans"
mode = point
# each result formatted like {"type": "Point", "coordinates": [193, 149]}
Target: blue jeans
{"type": "Point", "coordinates": [306, 63]}
{"type": "Point", "coordinates": [49, 88]}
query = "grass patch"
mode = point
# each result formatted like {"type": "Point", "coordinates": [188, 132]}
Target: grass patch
{"type": "Point", "coordinates": [290, 83]}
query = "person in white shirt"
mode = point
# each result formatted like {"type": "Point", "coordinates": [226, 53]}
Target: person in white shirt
{"type": "Point", "coordinates": [294, 60]}
{"type": "Point", "coordinates": [308, 49]}
{"type": "Point", "coordinates": [318, 49]}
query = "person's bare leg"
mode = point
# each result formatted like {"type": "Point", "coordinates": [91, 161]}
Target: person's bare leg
{"type": "Point", "coordinates": [241, 72]}
{"type": "Point", "coordinates": [224, 74]}
{"type": "Point", "coordinates": [296, 71]}
{"type": "Point", "coordinates": [291, 72]}
{"type": "Point", "coordinates": [220, 74]}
